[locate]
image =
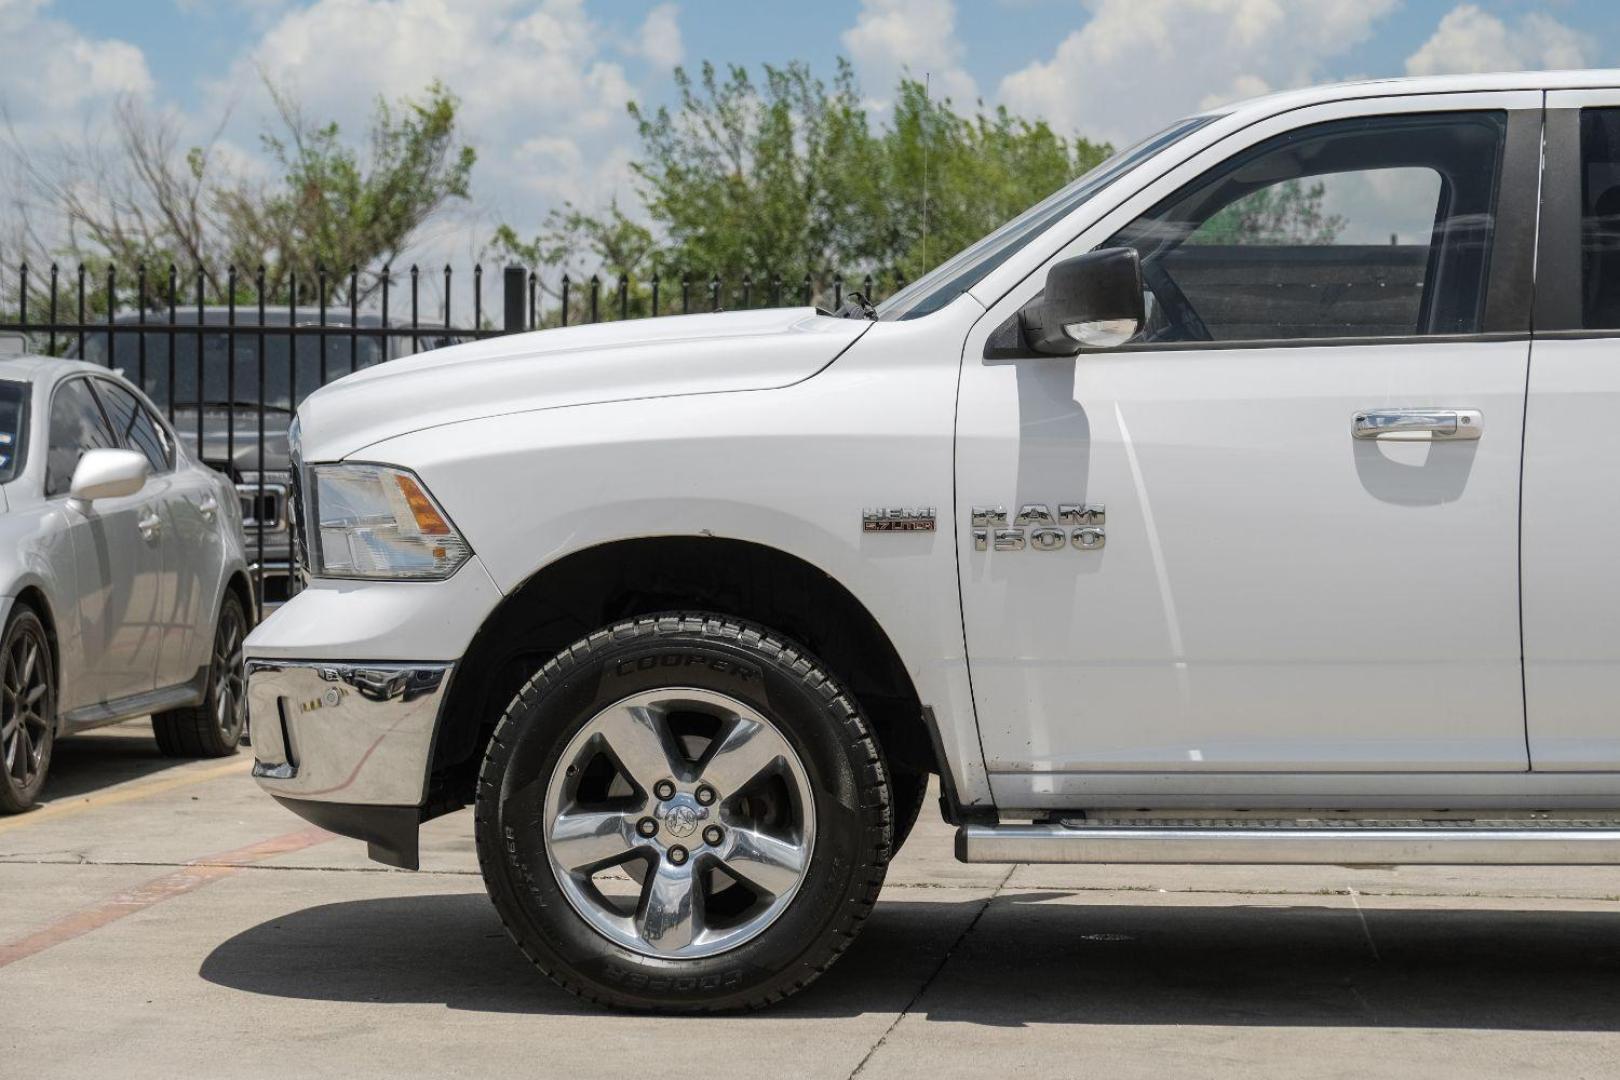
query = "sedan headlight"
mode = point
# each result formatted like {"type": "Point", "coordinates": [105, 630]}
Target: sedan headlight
{"type": "Point", "coordinates": [374, 521]}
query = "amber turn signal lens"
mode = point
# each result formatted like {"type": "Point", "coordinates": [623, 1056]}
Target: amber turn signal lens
{"type": "Point", "coordinates": [428, 518]}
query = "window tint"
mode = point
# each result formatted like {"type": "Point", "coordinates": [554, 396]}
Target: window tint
{"type": "Point", "coordinates": [76, 426]}
{"type": "Point", "coordinates": [1600, 219]}
{"type": "Point", "coordinates": [135, 427]}
{"type": "Point", "coordinates": [1373, 227]}
{"type": "Point", "coordinates": [13, 428]}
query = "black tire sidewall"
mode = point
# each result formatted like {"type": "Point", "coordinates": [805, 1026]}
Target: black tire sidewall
{"type": "Point", "coordinates": [851, 818]}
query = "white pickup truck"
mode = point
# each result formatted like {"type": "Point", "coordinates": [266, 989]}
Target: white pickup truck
{"type": "Point", "coordinates": [1241, 502]}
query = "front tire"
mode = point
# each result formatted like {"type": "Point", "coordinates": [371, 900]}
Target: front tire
{"type": "Point", "coordinates": [213, 728]}
{"type": "Point", "coordinates": [27, 710]}
{"type": "Point", "coordinates": [683, 813]}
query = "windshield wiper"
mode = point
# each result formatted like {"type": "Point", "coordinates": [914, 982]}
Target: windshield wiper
{"type": "Point", "coordinates": [855, 306]}
{"type": "Point", "coordinates": [222, 403]}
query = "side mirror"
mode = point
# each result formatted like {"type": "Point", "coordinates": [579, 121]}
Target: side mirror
{"type": "Point", "coordinates": [1091, 301]}
{"type": "Point", "coordinates": [108, 474]}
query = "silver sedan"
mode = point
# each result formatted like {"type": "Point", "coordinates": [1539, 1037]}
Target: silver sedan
{"type": "Point", "coordinates": [123, 585]}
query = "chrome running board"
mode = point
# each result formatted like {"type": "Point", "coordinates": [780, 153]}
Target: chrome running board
{"type": "Point", "coordinates": [1435, 843]}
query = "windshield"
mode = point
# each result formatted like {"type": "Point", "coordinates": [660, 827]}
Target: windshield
{"type": "Point", "coordinates": [13, 429]}
{"type": "Point", "coordinates": [279, 385]}
{"type": "Point", "coordinates": [967, 268]}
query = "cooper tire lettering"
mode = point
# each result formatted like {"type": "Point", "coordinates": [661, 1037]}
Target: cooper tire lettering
{"type": "Point", "coordinates": [720, 665]}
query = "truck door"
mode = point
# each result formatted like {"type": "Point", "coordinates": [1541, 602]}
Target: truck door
{"type": "Point", "coordinates": [1571, 442]}
{"type": "Point", "coordinates": [1278, 532]}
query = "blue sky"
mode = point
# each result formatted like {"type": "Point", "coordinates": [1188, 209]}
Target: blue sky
{"type": "Point", "coordinates": [544, 81]}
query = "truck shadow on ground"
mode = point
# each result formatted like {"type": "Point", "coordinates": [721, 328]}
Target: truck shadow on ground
{"type": "Point", "coordinates": [1026, 960]}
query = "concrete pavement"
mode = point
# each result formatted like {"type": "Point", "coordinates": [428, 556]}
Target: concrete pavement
{"type": "Point", "coordinates": [165, 919]}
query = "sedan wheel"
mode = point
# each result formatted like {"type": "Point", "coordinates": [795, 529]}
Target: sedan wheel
{"type": "Point", "coordinates": [230, 692]}
{"type": "Point", "coordinates": [27, 711]}
{"type": "Point", "coordinates": [213, 728]}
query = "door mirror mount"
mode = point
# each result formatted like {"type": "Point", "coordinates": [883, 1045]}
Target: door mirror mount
{"type": "Point", "coordinates": [107, 473]}
{"type": "Point", "coordinates": [1091, 301]}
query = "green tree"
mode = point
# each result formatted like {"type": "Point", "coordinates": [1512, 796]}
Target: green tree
{"type": "Point", "coordinates": [979, 171]}
{"type": "Point", "coordinates": [1285, 213]}
{"type": "Point", "coordinates": [332, 206]}
{"type": "Point", "coordinates": [143, 201]}
{"type": "Point", "coordinates": [787, 175]}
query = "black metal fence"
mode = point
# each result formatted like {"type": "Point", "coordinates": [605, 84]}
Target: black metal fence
{"type": "Point", "coordinates": [228, 357]}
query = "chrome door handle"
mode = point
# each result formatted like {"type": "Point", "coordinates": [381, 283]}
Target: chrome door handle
{"type": "Point", "coordinates": [1433, 424]}
{"type": "Point", "coordinates": [208, 507]}
{"type": "Point", "coordinates": [150, 524]}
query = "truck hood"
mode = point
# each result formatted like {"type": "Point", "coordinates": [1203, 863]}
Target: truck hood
{"type": "Point", "coordinates": [581, 365]}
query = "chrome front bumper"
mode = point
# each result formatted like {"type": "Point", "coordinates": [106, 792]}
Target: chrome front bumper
{"type": "Point", "coordinates": [354, 733]}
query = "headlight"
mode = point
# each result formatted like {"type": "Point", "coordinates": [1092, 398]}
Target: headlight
{"type": "Point", "coordinates": [373, 521]}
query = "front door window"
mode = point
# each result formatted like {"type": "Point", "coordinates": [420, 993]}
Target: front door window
{"type": "Point", "coordinates": [1367, 228]}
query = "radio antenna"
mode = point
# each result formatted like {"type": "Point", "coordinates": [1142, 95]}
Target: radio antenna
{"type": "Point", "coordinates": [926, 103]}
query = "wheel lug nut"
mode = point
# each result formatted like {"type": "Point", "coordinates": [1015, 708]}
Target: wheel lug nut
{"type": "Point", "coordinates": [713, 835]}
{"type": "Point", "coordinates": [677, 855]}
{"type": "Point", "coordinates": [664, 790]}
{"type": "Point", "coordinates": [705, 794]}
{"type": "Point", "coordinates": [646, 826]}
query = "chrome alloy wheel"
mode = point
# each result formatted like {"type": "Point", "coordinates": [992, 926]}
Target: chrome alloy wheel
{"type": "Point", "coordinates": [230, 692]}
{"type": "Point", "coordinates": [696, 806]}
{"type": "Point", "coordinates": [26, 714]}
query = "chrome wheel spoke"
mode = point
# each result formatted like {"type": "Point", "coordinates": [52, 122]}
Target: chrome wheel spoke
{"type": "Point", "coordinates": [747, 748]}
{"type": "Point", "coordinates": [582, 840]}
{"type": "Point", "coordinates": [669, 916]}
{"type": "Point", "coordinates": [637, 739]}
{"type": "Point", "coordinates": [762, 861]}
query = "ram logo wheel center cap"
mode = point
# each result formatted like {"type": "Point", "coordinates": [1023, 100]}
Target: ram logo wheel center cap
{"type": "Point", "coordinates": [681, 819]}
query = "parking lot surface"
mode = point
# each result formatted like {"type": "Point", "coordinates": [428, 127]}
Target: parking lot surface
{"type": "Point", "coordinates": [166, 919]}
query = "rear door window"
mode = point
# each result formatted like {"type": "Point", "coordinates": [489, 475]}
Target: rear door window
{"type": "Point", "coordinates": [1600, 219]}
{"type": "Point", "coordinates": [135, 427]}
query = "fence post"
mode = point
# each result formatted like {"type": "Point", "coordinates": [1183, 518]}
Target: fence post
{"type": "Point", "coordinates": [514, 280]}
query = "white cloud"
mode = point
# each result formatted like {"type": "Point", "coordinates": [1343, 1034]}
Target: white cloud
{"type": "Point", "coordinates": [1136, 64]}
{"type": "Point", "coordinates": [1471, 40]}
{"type": "Point", "coordinates": [892, 38]}
{"type": "Point", "coordinates": [659, 39]}
{"type": "Point", "coordinates": [50, 71]}
{"type": "Point", "coordinates": [543, 88]}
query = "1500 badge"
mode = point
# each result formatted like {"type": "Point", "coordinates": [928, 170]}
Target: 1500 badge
{"type": "Point", "coordinates": [1035, 526]}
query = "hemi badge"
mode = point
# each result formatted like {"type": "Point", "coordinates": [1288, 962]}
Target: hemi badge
{"type": "Point", "coordinates": [898, 519]}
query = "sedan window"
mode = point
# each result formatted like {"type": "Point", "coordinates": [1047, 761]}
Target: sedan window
{"type": "Point", "coordinates": [13, 428]}
{"type": "Point", "coordinates": [77, 425]}
{"type": "Point", "coordinates": [135, 426]}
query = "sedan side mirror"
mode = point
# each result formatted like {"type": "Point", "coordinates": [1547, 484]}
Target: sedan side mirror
{"type": "Point", "coordinates": [107, 473]}
{"type": "Point", "coordinates": [1091, 301]}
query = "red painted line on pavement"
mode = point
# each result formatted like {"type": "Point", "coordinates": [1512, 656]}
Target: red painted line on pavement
{"type": "Point", "coordinates": [189, 878]}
